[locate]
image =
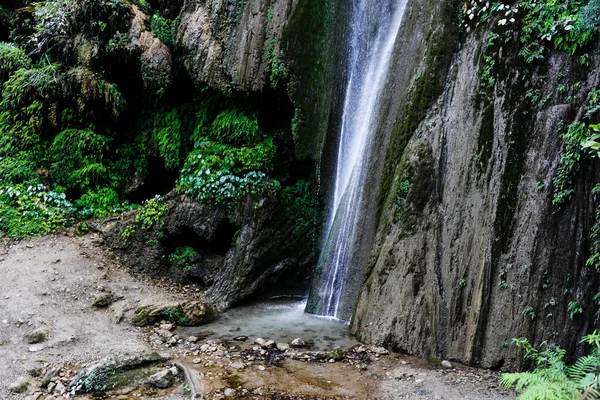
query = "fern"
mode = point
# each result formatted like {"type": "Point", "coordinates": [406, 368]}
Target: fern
{"type": "Point", "coordinates": [553, 380]}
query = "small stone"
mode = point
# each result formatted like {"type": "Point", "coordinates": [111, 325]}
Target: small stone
{"type": "Point", "coordinates": [197, 360]}
{"type": "Point", "coordinates": [174, 370]}
{"type": "Point", "coordinates": [167, 327]}
{"type": "Point", "coordinates": [192, 339]}
{"type": "Point", "coordinates": [48, 376]}
{"type": "Point", "coordinates": [229, 392]}
{"type": "Point", "coordinates": [37, 347]}
{"type": "Point", "coordinates": [103, 300]}
{"type": "Point", "coordinates": [269, 344]}
{"type": "Point", "coordinates": [298, 343]}
{"type": "Point", "coordinates": [283, 346]}
{"type": "Point", "coordinates": [446, 364]}
{"type": "Point", "coordinates": [259, 341]}
{"type": "Point", "coordinates": [237, 365]}
{"type": "Point", "coordinates": [162, 380]}
{"type": "Point", "coordinates": [380, 350]}
{"type": "Point", "coordinates": [164, 333]}
{"type": "Point", "coordinates": [19, 386]}
{"type": "Point", "coordinates": [240, 338]}
{"type": "Point", "coordinates": [261, 367]}
{"type": "Point", "coordinates": [51, 387]}
{"type": "Point", "coordinates": [37, 336]}
{"type": "Point", "coordinates": [60, 388]}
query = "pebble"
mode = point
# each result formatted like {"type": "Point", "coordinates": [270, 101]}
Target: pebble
{"type": "Point", "coordinates": [261, 368]}
{"type": "Point", "coordinates": [283, 346]}
{"type": "Point", "coordinates": [167, 327]}
{"type": "Point", "coordinates": [229, 392]}
{"type": "Point", "coordinates": [237, 365]}
{"type": "Point", "coordinates": [192, 339]}
{"type": "Point", "coordinates": [298, 343]}
{"type": "Point", "coordinates": [197, 360]}
{"type": "Point", "coordinates": [446, 364]}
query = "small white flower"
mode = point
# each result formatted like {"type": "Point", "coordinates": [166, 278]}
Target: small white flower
{"type": "Point", "coordinates": [511, 20]}
{"type": "Point", "coordinates": [471, 16]}
{"type": "Point", "coordinates": [502, 22]}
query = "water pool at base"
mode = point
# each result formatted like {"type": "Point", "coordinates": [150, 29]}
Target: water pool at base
{"type": "Point", "coordinates": [281, 320]}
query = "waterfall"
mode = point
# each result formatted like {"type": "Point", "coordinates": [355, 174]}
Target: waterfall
{"type": "Point", "coordinates": [375, 26]}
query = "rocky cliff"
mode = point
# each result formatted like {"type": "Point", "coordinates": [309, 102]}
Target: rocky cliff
{"type": "Point", "coordinates": [469, 250]}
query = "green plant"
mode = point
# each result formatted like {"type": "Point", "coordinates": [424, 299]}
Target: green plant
{"type": "Point", "coordinates": [552, 379]}
{"type": "Point", "coordinates": [183, 257]}
{"type": "Point", "coordinates": [574, 308]}
{"type": "Point", "coordinates": [503, 285]}
{"type": "Point", "coordinates": [276, 69]}
{"type": "Point", "coordinates": [152, 213]}
{"type": "Point", "coordinates": [165, 29]}
{"type": "Point", "coordinates": [462, 283]}
{"type": "Point", "coordinates": [175, 315]}
{"type": "Point", "coordinates": [100, 204]}
{"type": "Point", "coordinates": [27, 211]}
{"type": "Point", "coordinates": [529, 312]}
{"type": "Point", "coordinates": [82, 229]}
{"type": "Point", "coordinates": [596, 298]}
{"type": "Point", "coordinates": [577, 134]}
{"type": "Point", "coordinates": [126, 235]}
{"type": "Point", "coordinates": [400, 199]}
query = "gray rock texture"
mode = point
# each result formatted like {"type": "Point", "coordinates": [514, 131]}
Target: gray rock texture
{"type": "Point", "coordinates": [475, 254]}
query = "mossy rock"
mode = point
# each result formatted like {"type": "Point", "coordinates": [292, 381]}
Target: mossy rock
{"type": "Point", "coordinates": [336, 354]}
{"type": "Point", "coordinates": [104, 300]}
{"type": "Point", "coordinates": [189, 313]}
{"type": "Point", "coordinates": [37, 336]}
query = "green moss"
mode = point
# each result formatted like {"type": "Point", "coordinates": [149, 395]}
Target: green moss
{"type": "Point", "coordinates": [428, 87]}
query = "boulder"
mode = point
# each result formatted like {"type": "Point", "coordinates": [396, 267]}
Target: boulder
{"type": "Point", "coordinates": [162, 379]}
{"type": "Point", "coordinates": [187, 313]}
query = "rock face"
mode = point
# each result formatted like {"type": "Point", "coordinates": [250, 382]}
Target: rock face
{"type": "Point", "coordinates": [469, 251]}
{"type": "Point", "coordinates": [231, 43]}
{"type": "Point", "coordinates": [235, 252]}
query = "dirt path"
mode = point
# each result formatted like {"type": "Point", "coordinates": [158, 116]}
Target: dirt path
{"type": "Point", "coordinates": [50, 282]}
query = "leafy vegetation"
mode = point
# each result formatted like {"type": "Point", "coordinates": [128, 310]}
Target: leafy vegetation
{"type": "Point", "coordinates": [552, 379]}
{"type": "Point", "coordinates": [183, 257]}
{"type": "Point", "coordinates": [152, 213]}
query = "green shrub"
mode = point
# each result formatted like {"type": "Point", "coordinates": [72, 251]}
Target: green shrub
{"type": "Point", "coordinates": [552, 379]}
{"type": "Point", "coordinates": [12, 58]}
{"type": "Point", "coordinates": [100, 204]}
{"type": "Point", "coordinates": [29, 211]}
{"type": "Point", "coordinates": [57, 19]}
{"type": "Point", "coordinates": [77, 159]}
{"type": "Point", "coordinates": [18, 169]}
{"type": "Point", "coordinates": [152, 213]}
{"type": "Point", "coordinates": [126, 235]}
{"type": "Point", "coordinates": [183, 257]}
{"type": "Point", "coordinates": [165, 29]}
{"type": "Point", "coordinates": [236, 127]}
{"type": "Point", "coordinates": [224, 174]}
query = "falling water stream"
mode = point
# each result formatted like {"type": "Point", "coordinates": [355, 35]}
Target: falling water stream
{"type": "Point", "coordinates": [375, 26]}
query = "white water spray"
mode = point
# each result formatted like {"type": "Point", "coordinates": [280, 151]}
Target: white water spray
{"type": "Point", "coordinates": [375, 26]}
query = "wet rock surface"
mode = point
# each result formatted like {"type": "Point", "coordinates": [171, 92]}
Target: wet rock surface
{"type": "Point", "coordinates": [237, 252]}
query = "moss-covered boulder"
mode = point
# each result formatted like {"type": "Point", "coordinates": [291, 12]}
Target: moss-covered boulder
{"type": "Point", "coordinates": [189, 313]}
